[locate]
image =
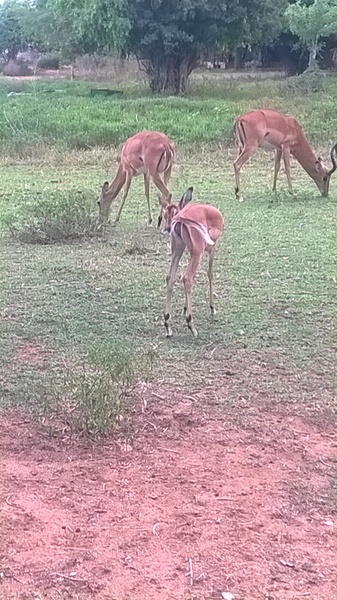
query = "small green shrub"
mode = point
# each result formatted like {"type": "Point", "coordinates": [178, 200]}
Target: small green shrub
{"type": "Point", "coordinates": [49, 61]}
{"type": "Point", "coordinates": [56, 219]}
{"type": "Point", "coordinates": [94, 397]}
{"type": "Point", "coordinates": [311, 81]}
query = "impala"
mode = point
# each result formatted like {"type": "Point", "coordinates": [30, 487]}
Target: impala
{"type": "Point", "coordinates": [196, 227]}
{"type": "Point", "coordinates": [273, 130]}
{"type": "Point", "coordinates": [149, 153]}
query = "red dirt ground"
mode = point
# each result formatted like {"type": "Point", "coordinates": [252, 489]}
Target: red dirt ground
{"type": "Point", "coordinates": [195, 508]}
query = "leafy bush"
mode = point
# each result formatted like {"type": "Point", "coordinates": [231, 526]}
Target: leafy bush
{"type": "Point", "coordinates": [56, 219]}
{"type": "Point", "coordinates": [93, 397]}
{"type": "Point", "coordinates": [49, 61]}
{"type": "Point", "coordinates": [15, 68]}
{"type": "Point", "coordinates": [312, 80]}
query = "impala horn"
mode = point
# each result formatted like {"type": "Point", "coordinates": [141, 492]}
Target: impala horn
{"type": "Point", "coordinates": [334, 165]}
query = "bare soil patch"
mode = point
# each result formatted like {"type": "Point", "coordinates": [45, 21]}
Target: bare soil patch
{"type": "Point", "coordinates": [194, 507]}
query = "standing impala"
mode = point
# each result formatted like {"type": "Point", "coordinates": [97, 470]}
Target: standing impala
{"type": "Point", "coordinates": [149, 153]}
{"type": "Point", "coordinates": [197, 227]}
{"type": "Point", "coordinates": [273, 130]}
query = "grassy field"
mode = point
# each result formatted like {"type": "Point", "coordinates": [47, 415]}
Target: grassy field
{"type": "Point", "coordinates": [61, 115]}
{"type": "Point", "coordinates": [274, 269]}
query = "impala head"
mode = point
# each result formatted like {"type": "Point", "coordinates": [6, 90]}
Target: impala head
{"type": "Point", "coordinates": [104, 203]}
{"type": "Point", "coordinates": [171, 210]}
{"type": "Point", "coordinates": [322, 178]}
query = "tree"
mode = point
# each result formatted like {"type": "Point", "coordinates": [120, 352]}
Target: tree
{"type": "Point", "coordinates": [12, 34]}
{"type": "Point", "coordinates": [311, 23]}
{"type": "Point", "coordinates": [169, 37]}
{"type": "Point", "coordinates": [76, 27]}
{"type": "Point", "coordinates": [260, 23]}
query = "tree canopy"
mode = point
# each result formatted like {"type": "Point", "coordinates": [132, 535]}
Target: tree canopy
{"type": "Point", "coordinates": [12, 33]}
{"type": "Point", "coordinates": [311, 23]}
{"type": "Point", "coordinates": [168, 37]}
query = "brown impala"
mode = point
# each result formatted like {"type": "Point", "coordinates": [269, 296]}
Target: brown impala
{"type": "Point", "coordinates": [270, 129]}
{"type": "Point", "coordinates": [196, 227]}
{"type": "Point", "coordinates": [149, 153]}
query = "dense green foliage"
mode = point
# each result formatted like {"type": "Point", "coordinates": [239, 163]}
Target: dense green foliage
{"type": "Point", "coordinates": [12, 31]}
{"type": "Point", "coordinates": [311, 23]}
{"type": "Point", "coordinates": [171, 37]}
{"type": "Point", "coordinates": [168, 37]}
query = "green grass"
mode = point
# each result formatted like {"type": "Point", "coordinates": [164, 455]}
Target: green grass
{"type": "Point", "coordinates": [63, 116]}
{"type": "Point", "coordinates": [274, 282]}
{"type": "Point", "coordinates": [275, 267]}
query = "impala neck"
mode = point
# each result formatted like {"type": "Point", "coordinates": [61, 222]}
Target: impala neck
{"type": "Point", "coordinates": [305, 156]}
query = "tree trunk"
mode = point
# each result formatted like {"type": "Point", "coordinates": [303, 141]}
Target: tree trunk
{"type": "Point", "coordinates": [238, 60]}
{"type": "Point", "coordinates": [169, 74]}
{"type": "Point", "coordinates": [313, 51]}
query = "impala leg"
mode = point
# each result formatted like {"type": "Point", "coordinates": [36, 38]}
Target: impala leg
{"type": "Point", "coordinates": [177, 248]}
{"type": "Point", "coordinates": [160, 216]}
{"type": "Point", "coordinates": [157, 180]}
{"type": "Point", "coordinates": [210, 278]}
{"type": "Point", "coordinates": [286, 159]}
{"type": "Point", "coordinates": [147, 194]}
{"type": "Point", "coordinates": [167, 176]}
{"type": "Point", "coordinates": [238, 163]}
{"type": "Point", "coordinates": [125, 193]}
{"type": "Point", "coordinates": [188, 279]}
{"type": "Point", "coordinates": [278, 156]}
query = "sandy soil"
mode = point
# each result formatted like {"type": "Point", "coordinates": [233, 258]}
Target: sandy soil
{"type": "Point", "coordinates": [192, 507]}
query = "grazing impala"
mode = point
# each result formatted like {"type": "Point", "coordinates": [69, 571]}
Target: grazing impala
{"type": "Point", "coordinates": [273, 130]}
{"type": "Point", "coordinates": [197, 227]}
{"type": "Point", "coordinates": [149, 153]}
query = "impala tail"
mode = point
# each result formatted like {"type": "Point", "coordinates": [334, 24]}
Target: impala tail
{"type": "Point", "coordinates": [165, 160]}
{"type": "Point", "coordinates": [239, 133]}
{"type": "Point", "coordinates": [188, 226]}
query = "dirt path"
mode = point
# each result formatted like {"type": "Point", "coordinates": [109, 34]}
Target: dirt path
{"type": "Point", "coordinates": [194, 508]}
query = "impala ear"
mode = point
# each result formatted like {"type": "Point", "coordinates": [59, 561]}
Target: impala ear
{"type": "Point", "coordinates": [319, 164]}
{"type": "Point", "coordinates": [186, 198]}
{"type": "Point", "coordinates": [105, 187]}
